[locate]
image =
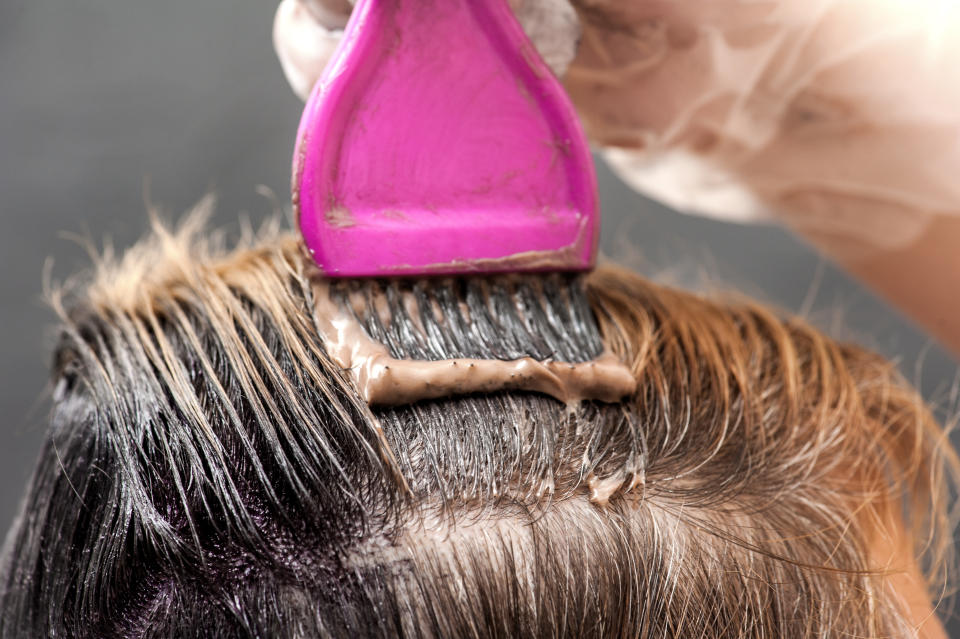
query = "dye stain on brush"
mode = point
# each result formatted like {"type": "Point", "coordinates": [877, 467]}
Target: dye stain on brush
{"type": "Point", "coordinates": [408, 340]}
{"type": "Point", "coordinates": [438, 142]}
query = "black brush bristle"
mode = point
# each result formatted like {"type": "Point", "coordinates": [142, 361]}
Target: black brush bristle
{"type": "Point", "coordinates": [505, 317]}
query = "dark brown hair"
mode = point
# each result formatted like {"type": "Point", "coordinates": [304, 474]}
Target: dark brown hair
{"type": "Point", "coordinates": [210, 472]}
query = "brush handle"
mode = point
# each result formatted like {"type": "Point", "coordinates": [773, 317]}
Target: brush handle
{"type": "Point", "coordinates": [438, 141]}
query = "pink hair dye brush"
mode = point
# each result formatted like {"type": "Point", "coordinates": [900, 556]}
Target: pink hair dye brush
{"type": "Point", "coordinates": [438, 141]}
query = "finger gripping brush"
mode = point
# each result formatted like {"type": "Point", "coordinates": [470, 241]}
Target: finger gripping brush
{"type": "Point", "coordinates": [438, 141]}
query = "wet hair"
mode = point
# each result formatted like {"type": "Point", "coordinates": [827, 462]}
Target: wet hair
{"type": "Point", "coordinates": [210, 472]}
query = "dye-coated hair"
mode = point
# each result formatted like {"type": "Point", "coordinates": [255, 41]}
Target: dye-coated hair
{"type": "Point", "coordinates": [210, 472]}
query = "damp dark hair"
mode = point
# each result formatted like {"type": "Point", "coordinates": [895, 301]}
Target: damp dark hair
{"type": "Point", "coordinates": [210, 472]}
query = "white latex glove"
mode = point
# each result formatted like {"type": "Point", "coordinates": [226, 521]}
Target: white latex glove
{"type": "Point", "coordinates": [306, 32]}
{"type": "Point", "coordinates": [823, 114]}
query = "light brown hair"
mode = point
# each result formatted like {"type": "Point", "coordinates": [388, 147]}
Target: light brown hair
{"type": "Point", "coordinates": [211, 472]}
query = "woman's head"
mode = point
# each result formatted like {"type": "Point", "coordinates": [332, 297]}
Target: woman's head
{"type": "Point", "coordinates": [211, 471]}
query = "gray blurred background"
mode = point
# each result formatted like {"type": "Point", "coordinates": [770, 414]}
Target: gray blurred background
{"type": "Point", "coordinates": [101, 100]}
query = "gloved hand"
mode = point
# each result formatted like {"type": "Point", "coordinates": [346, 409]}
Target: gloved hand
{"type": "Point", "coordinates": [813, 112]}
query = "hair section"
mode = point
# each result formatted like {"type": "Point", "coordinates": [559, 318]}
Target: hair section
{"type": "Point", "coordinates": [210, 472]}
